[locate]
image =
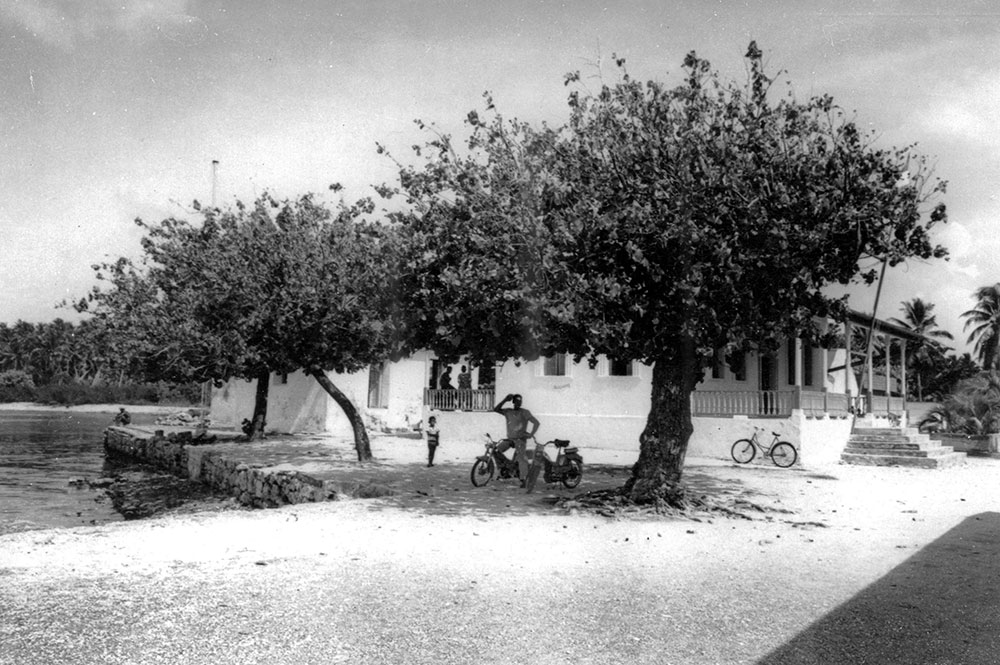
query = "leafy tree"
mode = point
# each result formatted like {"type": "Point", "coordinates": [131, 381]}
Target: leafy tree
{"type": "Point", "coordinates": [924, 356]}
{"type": "Point", "coordinates": [984, 319]}
{"type": "Point", "coordinates": [658, 225]}
{"type": "Point", "coordinates": [276, 287]}
{"type": "Point", "coordinates": [972, 408]}
{"type": "Point", "coordinates": [57, 351]}
{"type": "Point", "coordinates": [949, 371]}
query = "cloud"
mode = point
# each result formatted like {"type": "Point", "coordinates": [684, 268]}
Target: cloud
{"type": "Point", "coordinates": [41, 19]}
{"type": "Point", "coordinates": [964, 109]}
{"type": "Point", "coordinates": [64, 23]}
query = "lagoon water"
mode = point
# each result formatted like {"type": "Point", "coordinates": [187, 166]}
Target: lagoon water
{"type": "Point", "coordinates": [41, 454]}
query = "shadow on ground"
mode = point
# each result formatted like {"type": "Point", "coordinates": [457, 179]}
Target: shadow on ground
{"type": "Point", "coordinates": [446, 489]}
{"type": "Point", "coordinates": [942, 605]}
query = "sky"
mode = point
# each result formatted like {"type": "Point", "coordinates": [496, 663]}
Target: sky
{"type": "Point", "coordinates": [113, 110]}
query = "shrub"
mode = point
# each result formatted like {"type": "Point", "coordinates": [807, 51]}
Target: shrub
{"type": "Point", "coordinates": [15, 378]}
{"type": "Point", "coordinates": [18, 394]}
{"type": "Point", "coordinates": [973, 408]}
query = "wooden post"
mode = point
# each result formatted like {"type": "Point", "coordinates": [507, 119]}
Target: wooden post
{"type": "Point", "coordinates": [848, 362]}
{"type": "Point", "coordinates": [902, 369]}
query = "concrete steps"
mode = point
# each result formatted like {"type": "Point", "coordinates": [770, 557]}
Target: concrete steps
{"type": "Point", "coordinates": [898, 447]}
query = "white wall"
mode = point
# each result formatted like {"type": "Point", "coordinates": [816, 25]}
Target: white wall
{"type": "Point", "coordinates": [232, 403]}
{"type": "Point", "coordinates": [469, 426]}
{"type": "Point", "coordinates": [407, 380]}
{"type": "Point", "coordinates": [823, 439]}
{"type": "Point", "coordinates": [301, 404]}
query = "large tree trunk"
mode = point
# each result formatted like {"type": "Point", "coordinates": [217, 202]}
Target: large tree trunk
{"type": "Point", "coordinates": [663, 443]}
{"type": "Point", "coordinates": [361, 443]}
{"type": "Point", "coordinates": [255, 430]}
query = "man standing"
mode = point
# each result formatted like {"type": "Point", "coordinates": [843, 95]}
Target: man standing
{"type": "Point", "coordinates": [517, 430]}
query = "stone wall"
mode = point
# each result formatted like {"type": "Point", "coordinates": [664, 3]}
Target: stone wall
{"type": "Point", "coordinates": [181, 455]}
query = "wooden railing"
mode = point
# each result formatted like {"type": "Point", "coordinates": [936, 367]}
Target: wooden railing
{"type": "Point", "coordinates": [459, 400]}
{"type": "Point", "coordinates": [773, 403]}
{"type": "Point", "coordinates": [743, 402]}
{"type": "Point", "coordinates": [882, 405]}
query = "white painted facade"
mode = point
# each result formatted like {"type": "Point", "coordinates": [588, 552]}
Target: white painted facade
{"type": "Point", "coordinates": [605, 406]}
{"type": "Point", "coordinates": [297, 403]}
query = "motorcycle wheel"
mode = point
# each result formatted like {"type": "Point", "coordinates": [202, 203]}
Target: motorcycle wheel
{"type": "Point", "coordinates": [482, 472]}
{"type": "Point", "coordinates": [573, 475]}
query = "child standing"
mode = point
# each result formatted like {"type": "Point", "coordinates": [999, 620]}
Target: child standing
{"type": "Point", "coordinates": [433, 439]}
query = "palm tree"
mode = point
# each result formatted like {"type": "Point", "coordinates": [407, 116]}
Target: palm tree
{"type": "Point", "coordinates": [984, 319]}
{"type": "Point", "coordinates": [917, 318]}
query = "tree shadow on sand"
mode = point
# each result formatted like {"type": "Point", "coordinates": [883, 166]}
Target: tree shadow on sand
{"type": "Point", "coordinates": [942, 605]}
{"type": "Point", "coordinates": [447, 490]}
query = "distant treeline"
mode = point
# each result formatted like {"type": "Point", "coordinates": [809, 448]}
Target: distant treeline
{"type": "Point", "coordinates": [65, 363]}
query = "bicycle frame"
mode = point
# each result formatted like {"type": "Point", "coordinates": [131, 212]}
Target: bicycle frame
{"type": "Point", "coordinates": [765, 449]}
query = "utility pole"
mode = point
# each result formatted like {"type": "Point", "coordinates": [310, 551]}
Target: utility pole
{"type": "Point", "coordinates": [215, 166]}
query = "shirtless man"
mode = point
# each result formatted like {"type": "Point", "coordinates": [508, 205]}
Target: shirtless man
{"type": "Point", "coordinates": [517, 430]}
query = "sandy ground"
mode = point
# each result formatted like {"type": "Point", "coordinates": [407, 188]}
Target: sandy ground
{"type": "Point", "coordinates": [836, 565]}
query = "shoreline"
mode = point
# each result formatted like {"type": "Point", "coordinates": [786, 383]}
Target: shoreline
{"type": "Point", "coordinates": [95, 408]}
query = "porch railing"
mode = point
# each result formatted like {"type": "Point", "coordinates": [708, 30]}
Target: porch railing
{"type": "Point", "coordinates": [459, 400]}
{"type": "Point", "coordinates": [743, 402]}
{"type": "Point", "coordinates": [883, 405]}
{"type": "Point", "coordinates": [772, 403]}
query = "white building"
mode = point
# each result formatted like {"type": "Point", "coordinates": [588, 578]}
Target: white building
{"type": "Point", "coordinates": [803, 393]}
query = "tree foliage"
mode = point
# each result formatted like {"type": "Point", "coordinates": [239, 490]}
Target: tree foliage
{"type": "Point", "coordinates": [948, 372]}
{"type": "Point", "coordinates": [924, 357]}
{"type": "Point", "coordinates": [973, 407]}
{"type": "Point", "coordinates": [984, 321]}
{"type": "Point", "coordinates": [660, 223]}
{"type": "Point", "coordinates": [275, 287]}
{"type": "Point", "coordinates": [62, 352]}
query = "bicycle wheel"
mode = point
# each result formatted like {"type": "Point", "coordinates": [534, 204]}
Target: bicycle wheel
{"type": "Point", "coordinates": [743, 451]}
{"type": "Point", "coordinates": [783, 454]}
{"type": "Point", "coordinates": [572, 477]}
{"type": "Point", "coordinates": [482, 472]}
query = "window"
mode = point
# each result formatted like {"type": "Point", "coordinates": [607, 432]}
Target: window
{"type": "Point", "coordinates": [487, 376]}
{"type": "Point", "coordinates": [554, 365]}
{"type": "Point", "coordinates": [619, 367]}
{"type": "Point", "coordinates": [717, 364]}
{"type": "Point", "coordinates": [807, 364]}
{"type": "Point", "coordinates": [792, 361]}
{"type": "Point", "coordinates": [378, 386]}
{"type": "Point", "coordinates": [737, 361]}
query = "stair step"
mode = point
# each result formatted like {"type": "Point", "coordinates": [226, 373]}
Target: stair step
{"type": "Point", "coordinates": [934, 452]}
{"type": "Point", "coordinates": [893, 437]}
{"type": "Point", "coordinates": [899, 444]}
{"type": "Point", "coordinates": [944, 461]}
{"type": "Point", "coordinates": [886, 446]}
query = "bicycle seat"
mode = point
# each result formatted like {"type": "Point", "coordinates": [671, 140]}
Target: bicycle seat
{"type": "Point", "coordinates": [560, 443]}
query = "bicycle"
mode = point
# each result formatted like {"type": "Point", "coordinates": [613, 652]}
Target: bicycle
{"type": "Point", "coordinates": [782, 453]}
{"type": "Point", "coordinates": [566, 468]}
{"type": "Point", "coordinates": [494, 462]}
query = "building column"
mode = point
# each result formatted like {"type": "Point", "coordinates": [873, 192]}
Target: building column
{"type": "Point", "coordinates": [870, 371]}
{"type": "Point", "coordinates": [902, 369]}
{"type": "Point", "coordinates": [849, 361]}
{"type": "Point", "coordinates": [799, 361]}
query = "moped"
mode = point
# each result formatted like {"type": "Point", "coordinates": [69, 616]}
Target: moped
{"type": "Point", "coordinates": [493, 462]}
{"type": "Point", "coordinates": [566, 468]}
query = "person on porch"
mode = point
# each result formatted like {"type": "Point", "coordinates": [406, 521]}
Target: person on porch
{"type": "Point", "coordinates": [517, 430]}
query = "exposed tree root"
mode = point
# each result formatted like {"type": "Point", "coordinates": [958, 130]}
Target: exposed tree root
{"type": "Point", "coordinates": [617, 503]}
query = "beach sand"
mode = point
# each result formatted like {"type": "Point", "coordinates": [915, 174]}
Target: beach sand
{"type": "Point", "coordinates": [448, 575]}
